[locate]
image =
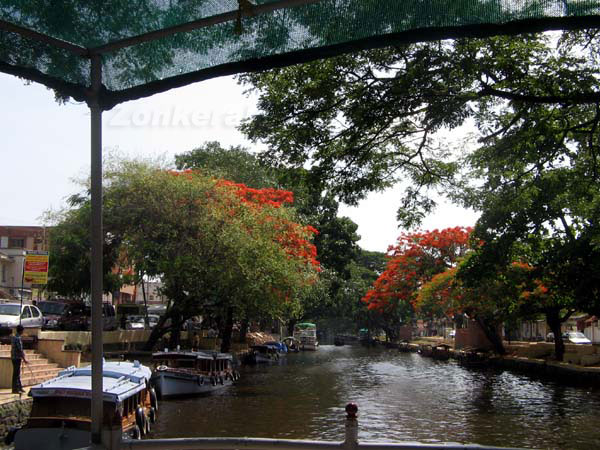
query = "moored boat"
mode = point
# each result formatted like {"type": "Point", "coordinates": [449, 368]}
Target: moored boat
{"type": "Point", "coordinates": [472, 357]}
{"type": "Point", "coordinates": [292, 344]}
{"type": "Point", "coordinates": [191, 372]}
{"type": "Point", "coordinates": [262, 354]}
{"type": "Point", "coordinates": [441, 352]}
{"type": "Point", "coordinates": [425, 350]}
{"type": "Point", "coordinates": [306, 333]}
{"type": "Point", "coordinates": [60, 414]}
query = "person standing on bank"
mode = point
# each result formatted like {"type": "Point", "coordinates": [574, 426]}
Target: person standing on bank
{"type": "Point", "coordinates": [17, 355]}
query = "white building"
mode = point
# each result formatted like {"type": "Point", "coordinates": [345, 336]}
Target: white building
{"type": "Point", "coordinates": [153, 294]}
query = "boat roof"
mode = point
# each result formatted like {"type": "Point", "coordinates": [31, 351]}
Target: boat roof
{"type": "Point", "coordinates": [306, 325]}
{"type": "Point", "coordinates": [120, 380]}
{"type": "Point", "coordinates": [182, 354]}
{"type": "Point", "coordinates": [134, 371]}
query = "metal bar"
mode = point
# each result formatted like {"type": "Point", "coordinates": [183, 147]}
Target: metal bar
{"type": "Point", "coordinates": [228, 444]}
{"type": "Point", "coordinates": [197, 24]}
{"type": "Point", "coordinates": [282, 444]}
{"type": "Point", "coordinates": [44, 38]}
{"type": "Point", "coordinates": [96, 244]}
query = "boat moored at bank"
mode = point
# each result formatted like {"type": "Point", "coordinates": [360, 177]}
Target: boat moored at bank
{"type": "Point", "coordinates": [306, 333]}
{"type": "Point", "coordinates": [60, 415]}
{"type": "Point", "coordinates": [178, 373]}
{"type": "Point", "coordinates": [271, 352]}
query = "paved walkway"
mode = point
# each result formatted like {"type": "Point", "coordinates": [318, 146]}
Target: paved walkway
{"type": "Point", "coordinates": [6, 395]}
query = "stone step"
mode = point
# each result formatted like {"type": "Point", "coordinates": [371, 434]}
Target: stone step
{"type": "Point", "coordinates": [29, 354]}
{"type": "Point", "coordinates": [45, 374]}
{"type": "Point", "coordinates": [36, 367]}
{"type": "Point", "coordinates": [30, 380]}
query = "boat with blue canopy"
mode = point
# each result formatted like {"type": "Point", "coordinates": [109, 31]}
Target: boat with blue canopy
{"type": "Point", "coordinates": [60, 414]}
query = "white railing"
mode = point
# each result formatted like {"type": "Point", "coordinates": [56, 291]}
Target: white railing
{"type": "Point", "coordinates": [349, 443]}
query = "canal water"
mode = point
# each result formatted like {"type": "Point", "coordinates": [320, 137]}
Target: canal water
{"type": "Point", "coordinates": [401, 397]}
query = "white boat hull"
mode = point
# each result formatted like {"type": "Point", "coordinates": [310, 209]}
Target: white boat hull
{"type": "Point", "coordinates": [171, 383]}
{"type": "Point", "coordinates": [310, 347]}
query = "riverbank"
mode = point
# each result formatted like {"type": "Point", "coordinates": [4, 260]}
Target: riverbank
{"type": "Point", "coordinates": [535, 358]}
{"type": "Point", "coordinates": [14, 411]}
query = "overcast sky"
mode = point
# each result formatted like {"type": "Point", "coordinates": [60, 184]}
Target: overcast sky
{"type": "Point", "coordinates": [45, 145]}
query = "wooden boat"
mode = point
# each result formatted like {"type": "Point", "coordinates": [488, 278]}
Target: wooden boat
{"type": "Point", "coordinates": [292, 344]}
{"type": "Point", "coordinates": [404, 346]}
{"type": "Point", "coordinates": [441, 352]}
{"type": "Point", "coordinates": [425, 350]}
{"type": "Point", "coordinates": [262, 354]}
{"type": "Point", "coordinates": [306, 333]}
{"type": "Point", "coordinates": [60, 413]}
{"type": "Point", "coordinates": [472, 357]}
{"type": "Point", "coordinates": [280, 347]}
{"type": "Point", "coordinates": [191, 372]}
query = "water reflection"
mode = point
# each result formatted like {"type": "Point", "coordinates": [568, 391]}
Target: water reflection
{"type": "Point", "coordinates": [402, 397]}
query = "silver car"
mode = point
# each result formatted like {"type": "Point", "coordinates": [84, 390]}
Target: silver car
{"type": "Point", "coordinates": [13, 314]}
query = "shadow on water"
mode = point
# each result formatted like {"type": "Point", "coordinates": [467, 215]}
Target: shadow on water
{"type": "Point", "coordinates": [401, 397]}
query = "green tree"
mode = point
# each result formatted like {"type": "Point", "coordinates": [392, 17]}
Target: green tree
{"type": "Point", "coordinates": [69, 245]}
{"type": "Point", "coordinates": [215, 246]}
{"type": "Point", "coordinates": [234, 163]}
{"type": "Point", "coordinates": [363, 122]}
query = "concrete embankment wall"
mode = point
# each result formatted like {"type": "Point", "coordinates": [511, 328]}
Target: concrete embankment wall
{"type": "Point", "coordinates": [560, 371]}
{"type": "Point", "coordinates": [581, 363]}
{"type": "Point", "coordinates": [13, 415]}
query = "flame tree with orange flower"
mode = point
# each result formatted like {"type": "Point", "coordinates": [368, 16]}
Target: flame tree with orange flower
{"type": "Point", "coordinates": [412, 262]}
{"type": "Point", "coordinates": [491, 304]}
{"type": "Point", "coordinates": [218, 247]}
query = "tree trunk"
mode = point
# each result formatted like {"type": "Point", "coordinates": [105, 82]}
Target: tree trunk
{"type": "Point", "coordinates": [553, 320]}
{"type": "Point", "coordinates": [491, 332]}
{"type": "Point", "coordinates": [227, 331]}
{"type": "Point", "coordinates": [290, 328]}
{"type": "Point", "coordinates": [175, 337]}
{"type": "Point", "coordinates": [157, 332]}
{"type": "Point", "coordinates": [244, 330]}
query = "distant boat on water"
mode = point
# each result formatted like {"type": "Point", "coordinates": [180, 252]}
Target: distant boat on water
{"type": "Point", "coordinates": [306, 334]}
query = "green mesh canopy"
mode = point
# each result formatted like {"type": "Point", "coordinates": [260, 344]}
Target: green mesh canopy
{"type": "Point", "coordinates": [154, 45]}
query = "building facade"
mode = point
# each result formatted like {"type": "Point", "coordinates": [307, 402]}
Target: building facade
{"type": "Point", "coordinates": [153, 294]}
{"type": "Point", "coordinates": [14, 242]}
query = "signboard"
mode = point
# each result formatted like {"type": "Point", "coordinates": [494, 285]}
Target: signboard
{"type": "Point", "coordinates": [36, 267]}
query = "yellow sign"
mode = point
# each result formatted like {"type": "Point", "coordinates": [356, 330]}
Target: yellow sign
{"type": "Point", "coordinates": [36, 267]}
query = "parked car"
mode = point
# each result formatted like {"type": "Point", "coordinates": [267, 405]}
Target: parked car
{"type": "Point", "coordinates": [52, 311]}
{"type": "Point", "coordinates": [452, 334]}
{"type": "Point", "coordinates": [570, 337]}
{"type": "Point", "coordinates": [576, 337]}
{"type": "Point", "coordinates": [78, 316]}
{"type": "Point", "coordinates": [11, 314]}
{"type": "Point", "coordinates": [138, 322]}
{"type": "Point", "coordinates": [135, 323]}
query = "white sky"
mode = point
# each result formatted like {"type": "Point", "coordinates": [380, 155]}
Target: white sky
{"type": "Point", "coordinates": [44, 145]}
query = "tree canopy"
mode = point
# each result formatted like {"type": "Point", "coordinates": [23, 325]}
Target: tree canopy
{"type": "Point", "coordinates": [506, 125]}
{"type": "Point", "coordinates": [216, 245]}
{"type": "Point", "coordinates": [413, 261]}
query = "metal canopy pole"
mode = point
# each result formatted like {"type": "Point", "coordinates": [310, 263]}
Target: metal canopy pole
{"type": "Point", "coordinates": [96, 244]}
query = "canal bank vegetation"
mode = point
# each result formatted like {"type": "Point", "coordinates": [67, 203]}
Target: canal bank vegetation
{"type": "Point", "coordinates": [337, 129]}
{"type": "Point", "coordinates": [226, 244]}
{"type": "Point", "coordinates": [221, 249]}
{"type": "Point", "coordinates": [506, 126]}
